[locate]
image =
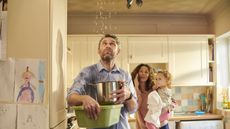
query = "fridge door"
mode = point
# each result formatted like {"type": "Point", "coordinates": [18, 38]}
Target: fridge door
{"type": "Point", "coordinates": [57, 82]}
{"type": "Point", "coordinates": [62, 125]}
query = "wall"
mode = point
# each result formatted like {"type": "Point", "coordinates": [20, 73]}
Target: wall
{"type": "Point", "coordinates": [220, 17]}
{"type": "Point", "coordinates": [28, 29]}
{"type": "Point", "coordinates": [149, 24]}
{"type": "Point", "coordinates": [188, 98]}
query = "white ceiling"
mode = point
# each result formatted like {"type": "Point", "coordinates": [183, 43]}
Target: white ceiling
{"type": "Point", "coordinates": [197, 7]}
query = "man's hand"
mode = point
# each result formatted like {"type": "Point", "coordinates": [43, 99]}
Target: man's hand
{"type": "Point", "coordinates": [122, 94]}
{"type": "Point", "coordinates": [91, 107]}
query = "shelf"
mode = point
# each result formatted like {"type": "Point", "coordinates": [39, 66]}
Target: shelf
{"type": "Point", "coordinates": [211, 62]}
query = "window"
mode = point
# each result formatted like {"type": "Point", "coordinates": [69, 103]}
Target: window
{"type": "Point", "coordinates": [223, 69]}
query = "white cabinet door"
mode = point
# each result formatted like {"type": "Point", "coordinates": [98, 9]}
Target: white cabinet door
{"type": "Point", "coordinates": [121, 59]}
{"type": "Point", "coordinates": [172, 124]}
{"type": "Point", "coordinates": [79, 54]}
{"type": "Point", "coordinates": [85, 52]}
{"type": "Point", "coordinates": [204, 124]}
{"type": "Point", "coordinates": [93, 42]}
{"type": "Point", "coordinates": [69, 64]}
{"type": "Point", "coordinates": [188, 60]}
{"type": "Point", "coordinates": [146, 49]}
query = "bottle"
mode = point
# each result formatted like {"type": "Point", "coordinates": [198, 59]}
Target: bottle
{"type": "Point", "coordinates": [225, 101]}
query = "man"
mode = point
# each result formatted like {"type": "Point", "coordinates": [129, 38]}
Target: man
{"type": "Point", "coordinates": [106, 70]}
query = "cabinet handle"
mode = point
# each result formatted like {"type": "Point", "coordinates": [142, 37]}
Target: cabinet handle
{"type": "Point", "coordinates": [131, 56]}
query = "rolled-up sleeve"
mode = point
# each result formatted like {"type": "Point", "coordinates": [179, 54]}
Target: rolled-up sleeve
{"type": "Point", "coordinates": [79, 83]}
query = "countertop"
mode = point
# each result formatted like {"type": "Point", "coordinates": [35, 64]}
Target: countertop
{"type": "Point", "coordinates": [192, 116]}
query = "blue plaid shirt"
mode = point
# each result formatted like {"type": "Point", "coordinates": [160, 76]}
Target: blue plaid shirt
{"type": "Point", "coordinates": [97, 73]}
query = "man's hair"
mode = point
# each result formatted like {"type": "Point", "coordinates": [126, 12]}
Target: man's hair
{"type": "Point", "coordinates": [111, 36]}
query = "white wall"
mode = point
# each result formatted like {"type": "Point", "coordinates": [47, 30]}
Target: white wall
{"type": "Point", "coordinates": [28, 28]}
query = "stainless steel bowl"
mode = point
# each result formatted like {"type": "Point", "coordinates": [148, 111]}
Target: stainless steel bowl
{"type": "Point", "coordinates": [104, 90]}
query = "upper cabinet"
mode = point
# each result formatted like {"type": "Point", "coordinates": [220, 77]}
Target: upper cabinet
{"type": "Point", "coordinates": [146, 49]}
{"type": "Point", "coordinates": [188, 60]}
{"type": "Point", "coordinates": [84, 52]}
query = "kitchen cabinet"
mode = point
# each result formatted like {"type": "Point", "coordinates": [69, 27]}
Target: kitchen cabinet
{"type": "Point", "coordinates": [84, 52]}
{"type": "Point", "coordinates": [69, 63]}
{"type": "Point", "coordinates": [212, 60]}
{"type": "Point", "coordinates": [121, 59]}
{"type": "Point", "coordinates": [187, 57]}
{"type": "Point", "coordinates": [188, 60]}
{"type": "Point", "coordinates": [148, 49]}
{"type": "Point", "coordinates": [172, 124]}
{"type": "Point", "coordinates": [203, 124]}
{"type": "Point", "coordinates": [79, 53]}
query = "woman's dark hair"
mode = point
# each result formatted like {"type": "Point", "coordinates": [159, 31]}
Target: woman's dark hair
{"type": "Point", "coordinates": [149, 82]}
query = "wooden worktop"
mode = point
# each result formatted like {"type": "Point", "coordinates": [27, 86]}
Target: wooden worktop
{"type": "Point", "coordinates": [206, 116]}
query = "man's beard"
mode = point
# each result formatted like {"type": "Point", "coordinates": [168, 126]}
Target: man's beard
{"type": "Point", "coordinates": [107, 57]}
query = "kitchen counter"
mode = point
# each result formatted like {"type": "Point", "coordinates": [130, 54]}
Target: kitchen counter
{"type": "Point", "coordinates": [192, 116]}
{"type": "Point", "coordinates": [179, 117]}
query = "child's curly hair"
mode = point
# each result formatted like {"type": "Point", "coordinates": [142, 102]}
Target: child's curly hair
{"type": "Point", "coordinates": [167, 75]}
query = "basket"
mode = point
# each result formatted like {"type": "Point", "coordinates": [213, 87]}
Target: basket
{"type": "Point", "coordinates": [108, 116]}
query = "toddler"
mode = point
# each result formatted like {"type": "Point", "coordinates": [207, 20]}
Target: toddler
{"type": "Point", "coordinates": [163, 87]}
{"type": "Point", "coordinates": [155, 105]}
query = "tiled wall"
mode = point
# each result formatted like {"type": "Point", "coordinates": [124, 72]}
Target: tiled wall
{"type": "Point", "coordinates": [188, 98]}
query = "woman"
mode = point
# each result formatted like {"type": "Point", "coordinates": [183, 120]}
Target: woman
{"type": "Point", "coordinates": [142, 77]}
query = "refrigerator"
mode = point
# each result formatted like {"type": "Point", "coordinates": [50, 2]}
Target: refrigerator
{"type": "Point", "coordinates": [36, 31]}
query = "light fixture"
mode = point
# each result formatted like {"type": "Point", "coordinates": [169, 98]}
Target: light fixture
{"type": "Point", "coordinates": [138, 2]}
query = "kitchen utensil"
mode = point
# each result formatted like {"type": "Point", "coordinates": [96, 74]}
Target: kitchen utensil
{"type": "Point", "coordinates": [203, 102]}
{"type": "Point", "coordinates": [104, 90]}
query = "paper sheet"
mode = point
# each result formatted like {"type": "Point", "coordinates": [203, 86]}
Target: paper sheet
{"type": "Point", "coordinates": [29, 80]}
{"type": "Point", "coordinates": [8, 116]}
{"type": "Point", "coordinates": [3, 32]}
{"type": "Point", "coordinates": [7, 80]}
{"type": "Point", "coordinates": [32, 117]}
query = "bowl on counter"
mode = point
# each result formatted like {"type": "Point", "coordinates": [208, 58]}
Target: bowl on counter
{"type": "Point", "coordinates": [109, 115]}
{"type": "Point", "coordinates": [199, 112]}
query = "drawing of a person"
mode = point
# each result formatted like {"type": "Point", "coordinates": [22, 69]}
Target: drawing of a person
{"type": "Point", "coordinates": [26, 93]}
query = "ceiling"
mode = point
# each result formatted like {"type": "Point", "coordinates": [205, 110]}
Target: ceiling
{"type": "Point", "coordinates": [197, 7]}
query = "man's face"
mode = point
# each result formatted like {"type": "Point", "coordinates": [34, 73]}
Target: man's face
{"type": "Point", "coordinates": [108, 49]}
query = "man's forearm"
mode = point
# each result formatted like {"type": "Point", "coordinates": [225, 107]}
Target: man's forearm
{"type": "Point", "coordinates": [75, 99]}
{"type": "Point", "coordinates": [131, 105]}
